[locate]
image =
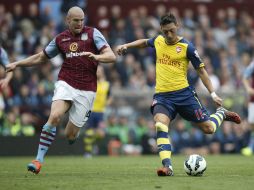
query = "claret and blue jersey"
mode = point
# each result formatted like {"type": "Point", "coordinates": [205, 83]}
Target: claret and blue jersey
{"type": "Point", "coordinates": [77, 69]}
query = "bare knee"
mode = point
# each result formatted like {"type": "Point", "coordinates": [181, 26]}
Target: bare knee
{"type": "Point", "coordinates": [70, 136]}
{"type": "Point", "coordinates": [54, 118]}
{"type": "Point", "coordinates": [71, 133]}
{"type": "Point", "coordinates": [207, 128]}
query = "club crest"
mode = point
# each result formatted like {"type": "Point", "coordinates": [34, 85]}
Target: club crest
{"type": "Point", "coordinates": [178, 49]}
{"type": "Point", "coordinates": [84, 36]}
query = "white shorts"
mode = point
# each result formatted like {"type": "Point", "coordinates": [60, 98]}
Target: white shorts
{"type": "Point", "coordinates": [251, 112]}
{"type": "Point", "coordinates": [82, 102]}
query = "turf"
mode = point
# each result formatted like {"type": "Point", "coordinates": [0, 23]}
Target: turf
{"type": "Point", "coordinates": [125, 173]}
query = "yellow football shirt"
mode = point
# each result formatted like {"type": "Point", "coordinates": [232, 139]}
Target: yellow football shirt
{"type": "Point", "coordinates": [102, 93]}
{"type": "Point", "coordinates": [172, 63]}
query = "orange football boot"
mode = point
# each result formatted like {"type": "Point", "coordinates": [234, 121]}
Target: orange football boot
{"type": "Point", "coordinates": [34, 166]}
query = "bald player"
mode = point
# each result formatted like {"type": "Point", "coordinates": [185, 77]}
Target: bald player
{"type": "Point", "coordinates": [173, 94]}
{"type": "Point", "coordinates": [82, 48]}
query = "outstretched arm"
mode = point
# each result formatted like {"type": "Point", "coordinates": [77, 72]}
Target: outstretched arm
{"type": "Point", "coordinates": [5, 81]}
{"type": "Point", "coordinates": [248, 87]}
{"type": "Point", "coordinates": [208, 84]}
{"type": "Point", "coordinates": [142, 43]}
{"type": "Point", "coordinates": [30, 61]}
{"type": "Point", "coordinates": [106, 56]}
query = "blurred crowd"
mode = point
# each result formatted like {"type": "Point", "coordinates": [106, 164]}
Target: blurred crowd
{"type": "Point", "coordinates": [225, 43]}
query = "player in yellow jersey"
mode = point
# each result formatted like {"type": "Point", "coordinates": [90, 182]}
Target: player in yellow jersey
{"type": "Point", "coordinates": [95, 122]}
{"type": "Point", "coordinates": [173, 94]}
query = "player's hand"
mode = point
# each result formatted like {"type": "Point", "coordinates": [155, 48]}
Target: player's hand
{"type": "Point", "coordinates": [121, 50]}
{"type": "Point", "coordinates": [10, 67]}
{"type": "Point", "coordinates": [217, 99]}
{"type": "Point", "coordinates": [4, 83]}
{"type": "Point", "coordinates": [91, 56]}
{"type": "Point", "coordinates": [250, 91]}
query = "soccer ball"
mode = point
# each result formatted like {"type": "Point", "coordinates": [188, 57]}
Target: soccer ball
{"type": "Point", "coordinates": [195, 165]}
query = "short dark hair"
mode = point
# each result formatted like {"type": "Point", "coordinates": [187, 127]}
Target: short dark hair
{"type": "Point", "coordinates": [167, 19]}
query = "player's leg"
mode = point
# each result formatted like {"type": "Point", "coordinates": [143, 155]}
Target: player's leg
{"type": "Point", "coordinates": [90, 134]}
{"type": "Point", "coordinates": [162, 120]}
{"type": "Point", "coordinates": [79, 114]}
{"type": "Point", "coordinates": [215, 120]}
{"type": "Point", "coordinates": [48, 133]}
{"type": "Point", "coordinates": [210, 124]}
{"type": "Point", "coordinates": [89, 140]}
{"type": "Point", "coordinates": [71, 132]}
{"type": "Point", "coordinates": [248, 151]}
{"type": "Point", "coordinates": [192, 109]}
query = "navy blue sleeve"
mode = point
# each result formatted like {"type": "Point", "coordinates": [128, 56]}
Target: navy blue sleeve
{"type": "Point", "coordinates": [150, 42]}
{"type": "Point", "coordinates": [193, 56]}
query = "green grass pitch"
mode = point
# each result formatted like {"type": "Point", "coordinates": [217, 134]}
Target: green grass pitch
{"type": "Point", "coordinates": [125, 173]}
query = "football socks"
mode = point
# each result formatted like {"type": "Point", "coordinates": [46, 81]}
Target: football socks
{"type": "Point", "coordinates": [163, 144]}
{"type": "Point", "coordinates": [48, 134]}
{"type": "Point", "coordinates": [217, 119]}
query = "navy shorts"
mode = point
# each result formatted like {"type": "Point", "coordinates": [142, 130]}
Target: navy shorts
{"type": "Point", "coordinates": [185, 102]}
{"type": "Point", "coordinates": [94, 120]}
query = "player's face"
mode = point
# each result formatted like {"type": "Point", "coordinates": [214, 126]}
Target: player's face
{"type": "Point", "coordinates": [170, 32]}
{"type": "Point", "coordinates": [76, 23]}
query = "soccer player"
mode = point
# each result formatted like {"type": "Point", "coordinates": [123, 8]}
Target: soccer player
{"type": "Point", "coordinates": [82, 48]}
{"type": "Point", "coordinates": [173, 94]}
{"type": "Point", "coordinates": [94, 129]}
{"type": "Point", "coordinates": [248, 82]}
{"type": "Point", "coordinates": [4, 60]}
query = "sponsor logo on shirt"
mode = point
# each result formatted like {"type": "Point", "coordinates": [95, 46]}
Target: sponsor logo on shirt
{"type": "Point", "coordinates": [75, 54]}
{"type": "Point", "coordinates": [73, 51]}
{"type": "Point", "coordinates": [73, 46]}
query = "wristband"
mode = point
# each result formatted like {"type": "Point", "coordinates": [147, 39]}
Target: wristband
{"type": "Point", "coordinates": [213, 94]}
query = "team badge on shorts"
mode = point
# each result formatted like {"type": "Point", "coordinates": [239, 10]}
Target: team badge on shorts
{"type": "Point", "coordinates": [154, 102]}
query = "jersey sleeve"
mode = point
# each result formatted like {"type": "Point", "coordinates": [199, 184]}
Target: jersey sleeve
{"type": "Point", "coordinates": [99, 40]}
{"type": "Point", "coordinates": [51, 49]}
{"type": "Point", "coordinates": [150, 42]}
{"type": "Point", "coordinates": [193, 56]}
{"type": "Point", "coordinates": [249, 70]}
{"type": "Point", "coordinates": [4, 57]}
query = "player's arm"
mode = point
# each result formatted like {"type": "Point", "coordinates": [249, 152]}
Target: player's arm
{"type": "Point", "coordinates": [5, 60]}
{"type": "Point", "coordinates": [249, 89]}
{"type": "Point", "coordinates": [121, 49]}
{"type": "Point", "coordinates": [106, 56]}
{"type": "Point", "coordinates": [208, 84]}
{"type": "Point", "coordinates": [5, 81]}
{"type": "Point", "coordinates": [30, 61]}
{"type": "Point", "coordinates": [193, 56]}
{"type": "Point", "coordinates": [246, 78]}
{"type": "Point", "coordinates": [109, 97]}
{"type": "Point", "coordinates": [205, 79]}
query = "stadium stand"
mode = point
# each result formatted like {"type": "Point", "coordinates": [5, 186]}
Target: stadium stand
{"type": "Point", "coordinates": [222, 31]}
